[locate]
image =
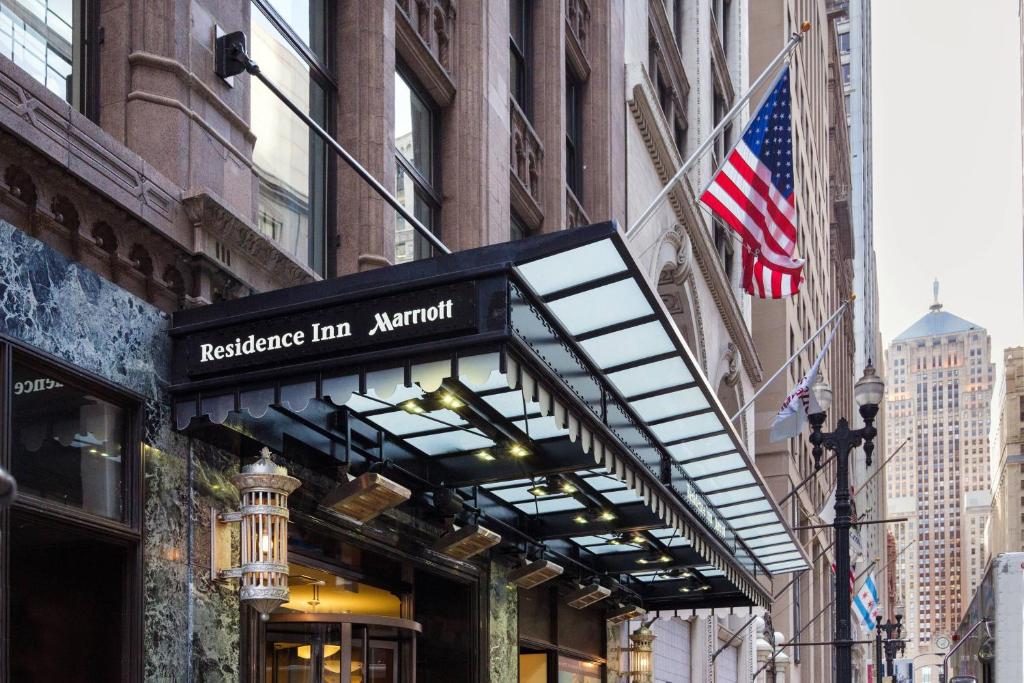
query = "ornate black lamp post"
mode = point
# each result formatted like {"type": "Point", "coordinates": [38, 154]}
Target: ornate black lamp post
{"type": "Point", "coordinates": [893, 639]}
{"type": "Point", "coordinates": [868, 394]}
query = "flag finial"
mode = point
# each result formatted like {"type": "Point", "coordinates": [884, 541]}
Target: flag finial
{"type": "Point", "coordinates": [805, 26]}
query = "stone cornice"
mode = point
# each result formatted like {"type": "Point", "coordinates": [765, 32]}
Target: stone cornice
{"type": "Point", "coordinates": [655, 131]}
{"type": "Point", "coordinates": [208, 212]}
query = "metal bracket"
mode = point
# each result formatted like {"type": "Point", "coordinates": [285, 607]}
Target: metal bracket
{"type": "Point", "coordinates": [221, 568]}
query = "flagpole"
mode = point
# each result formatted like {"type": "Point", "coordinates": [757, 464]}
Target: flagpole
{"type": "Point", "coordinates": [839, 311]}
{"type": "Point", "coordinates": [794, 40]}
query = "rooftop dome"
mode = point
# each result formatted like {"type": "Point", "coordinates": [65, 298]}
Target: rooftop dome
{"type": "Point", "coordinates": [936, 322]}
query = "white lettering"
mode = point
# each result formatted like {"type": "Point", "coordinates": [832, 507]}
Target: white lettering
{"type": "Point", "coordinates": [205, 352]}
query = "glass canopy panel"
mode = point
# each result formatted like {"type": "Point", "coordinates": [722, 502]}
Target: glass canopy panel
{"type": "Point", "coordinates": [700, 448]}
{"type": "Point", "coordinates": [541, 428]}
{"type": "Point", "coordinates": [399, 422]}
{"type": "Point", "coordinates": [726, 497]}
{"type": "Point", "coordinates": [768, 541]}
{"type": "Point", "coordinates": [651, 377]}
{"type": "Point", "coordinates": [725, 481]}
{"type": "Point", "coordinates": [779, 559]}
{"type": "Point", "coordinates": [450, 442]}
{"type": "Point", "coordinates": [573, 267]}
{"type": "Point", "coordinates": [622, 497]}
{"type": "Point", "coordinates": [510, 404]}
{"type": "Point", "coordinates": [754, 520]}
{"type": "Point", "coordinates": [746, 509]}
{"type": "Point", "coordinates": [670, 537]}
{"type": "Point", "coordinates": [722, 463]}
{"type": "Point", "coordinates": [603, 482]}
{"type": "Point", "coordinates": [767, 529]}
{"type": "Point", "coordinates": [628, 345]}
{"type": "Point", "coordinates": [610, 548]}
{"type": "Point", "coordinates": [364, 403]}
{"type": "Point", "coordinates": [600, 307]}
{"type": "Point", "coordinates": [687, 427]}
{"type": "Point", "coordinates": [667, 405]}
{"type": "Point", "coordinates": [543, 506]}
{"type": "Point", "coordinates": [788, 566]}
{"type": "Point", "coordinates": [516, 494]}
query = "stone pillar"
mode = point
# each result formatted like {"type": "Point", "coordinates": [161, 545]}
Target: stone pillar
{"type": "Point", "coordinates": [365, 47]}
{"type": "Point", "coordinates": [549, 107]}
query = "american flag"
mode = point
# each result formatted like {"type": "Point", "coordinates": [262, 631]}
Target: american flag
{"type": "Point", "coordinates": [753, 193]}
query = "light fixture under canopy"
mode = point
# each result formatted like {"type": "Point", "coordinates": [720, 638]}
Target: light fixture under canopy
{"type": "Point", "coordinates": [535, 573]}
{"type": "Point", "coordinates": [464, 543]}
{"type": "Point", "coordinates": [366, 496]}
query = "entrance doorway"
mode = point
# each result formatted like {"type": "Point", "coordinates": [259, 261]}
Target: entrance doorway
{"type": "Point", "coordinates": [343, 648]}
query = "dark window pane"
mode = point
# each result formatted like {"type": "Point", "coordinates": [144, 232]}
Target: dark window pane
{"type": "Point", "coordinates": [518, 229]}
{"type": "Point", "coordinates": [573, 129]}
{"type": "Point", "coordinates": [67, 444]}
{"type": "Point", "coordinates": [289, 159]}
{"type": "Point", "coordinates": [67, 605]}
{"type": "Point", "coordinates": [519, 37]}
{"type": "Point", "coordinates": [409, 245]}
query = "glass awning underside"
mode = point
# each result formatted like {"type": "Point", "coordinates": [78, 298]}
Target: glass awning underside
{"type": "Point", "coordinates": [579, 421]}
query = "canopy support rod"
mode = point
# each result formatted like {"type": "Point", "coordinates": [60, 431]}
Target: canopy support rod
{"type": "Point", "coordinates": [741, 101]}
{"type": "Point", "coordinates": [842, 307]}
{"type": "Point", "coordinates": [231, 59]}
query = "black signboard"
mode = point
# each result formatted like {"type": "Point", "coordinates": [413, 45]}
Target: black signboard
{"type": "Point", "coordinates": [334, 330]}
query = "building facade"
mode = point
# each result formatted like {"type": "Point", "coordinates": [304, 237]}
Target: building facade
{"type": "Point", "coordinates": [823, 174]}
{"type": "Point", "coordinates": [143, 198]}
{"type": "Point", "coordinates": [974, 528]}
{"type": "Point", "coordinates": [1006, 531]}
{"type": "Point", "coordinates": [939, 392]}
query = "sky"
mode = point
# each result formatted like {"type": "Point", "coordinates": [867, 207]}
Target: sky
{"type": "Point", "coordinates": [947, 163]}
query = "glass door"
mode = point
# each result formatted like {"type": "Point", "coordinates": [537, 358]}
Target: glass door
{"type": "Point", "coordinates": [373, 661]}
{"type": "Point", "coordinates": [335, 652]}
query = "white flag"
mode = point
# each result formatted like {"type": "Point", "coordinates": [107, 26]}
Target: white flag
{"type": "Point", "coordinates": [828, 510]}
{"type": "Point", "coordinates": [801, 402]}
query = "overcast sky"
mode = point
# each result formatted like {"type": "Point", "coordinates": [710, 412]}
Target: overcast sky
{"type": "Point", "coordinates": [947, 163]}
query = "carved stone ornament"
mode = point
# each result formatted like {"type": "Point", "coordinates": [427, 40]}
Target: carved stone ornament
{"type": "Point", "coordinates": [731, 358]}
{"type": "Point", "coordinates": [682, 265]}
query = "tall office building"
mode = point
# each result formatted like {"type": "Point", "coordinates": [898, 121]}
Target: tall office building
{"type": "Point", "coordinates": [1006, 533]}
{"type": "Point", "coordinates": [940, 379]}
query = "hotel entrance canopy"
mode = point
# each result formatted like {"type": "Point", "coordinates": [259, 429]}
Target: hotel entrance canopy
{"type": "Point", "coordinates": [541, 381]}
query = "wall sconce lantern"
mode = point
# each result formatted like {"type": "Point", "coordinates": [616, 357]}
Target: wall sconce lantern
{"type": "Point", "coordinates": [263, 488]}
{"type": "Point", "coordinates": [641, 654]}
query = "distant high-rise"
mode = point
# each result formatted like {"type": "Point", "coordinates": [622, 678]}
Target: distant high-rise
{"type": "Point", "coordinates": [940, 377]}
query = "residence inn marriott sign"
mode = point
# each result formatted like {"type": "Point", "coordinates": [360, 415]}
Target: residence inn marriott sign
{"type": "Point", "coordinates": [335, 329]}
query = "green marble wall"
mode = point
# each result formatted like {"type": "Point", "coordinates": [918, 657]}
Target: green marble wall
{"type": "Point", "coordinates": [190, 624]}
{"type": "Point", "coordinates": [504, 627]}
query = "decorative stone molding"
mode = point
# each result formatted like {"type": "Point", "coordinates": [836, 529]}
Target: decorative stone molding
{"type": "Point", "coordinates": [655, 131]}
{"type": "Point", "coordinates": [661, 30]}
{"type": "Point", "coordinates": [209, 213]}
{"type": "Point", "coordinates": [574, 213]}
{"type": "Point", "coordinates": [577, 33]}
{"type": "Point", "coordinates": [526, 168]}
{"type": "Point", "coordinates": [720, 64]}
{"type": "Point", "coordinates": [424, 44]}
{"type": "Point", "coordinates": [732, 373]}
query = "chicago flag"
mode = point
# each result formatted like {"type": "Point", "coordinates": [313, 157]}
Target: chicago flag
{"type": "Point", "coordinates": [753, 194]}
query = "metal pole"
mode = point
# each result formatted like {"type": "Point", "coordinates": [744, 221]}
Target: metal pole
{"type": "Point", "coordinates": [878, 655]}
{"type": "Point", "coordinates": [238, 53]}
{"type": "Point", "coordinates": [789, 360]}
{"type": "Point", "coordinates": [844, 652]}
{"type": "Point", "coordinates": [944, 674]}
{"type": "Point", "coordinates": [794, 40]}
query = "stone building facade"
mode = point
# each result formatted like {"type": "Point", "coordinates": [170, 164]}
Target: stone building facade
{"type": "Point", "coordinates": [1006, 531]}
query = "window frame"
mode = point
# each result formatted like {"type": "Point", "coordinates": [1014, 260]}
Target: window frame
{"type": "Point", "coordinates": [574, 134]}
{"type": "Point", "coordinates": [127, 533]}
{"type": "Point", "coordinates": [323, 73]}
{"type": "Point", "coordinates": [431, 192]}
{"type": "Point", "coordinates": [521, 55]}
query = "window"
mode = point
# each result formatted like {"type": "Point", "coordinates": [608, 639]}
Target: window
{"type": "Point", "coordinates": [48, 39]}
{"type": "Point", "coordinates": [519, 50]}
{"type": "Point", "coordinates": [844, 43]}
{"type": "Point", "coordinates": [289, 43]}
{"type": "Point", "coordinates": [519, 231]}
{"type": "Point", "coordinates": [724, 247]}
{"type": "Point", "coordinates": [415, 178]}
{"type": "Point", "coordinates": [677, 22]}
{"type": "Point", "coordinates": [573, 135]}
{"type": "Point", "coordinates": [73, 448]}
{"type": "Point", "coordinates": [846, 74]}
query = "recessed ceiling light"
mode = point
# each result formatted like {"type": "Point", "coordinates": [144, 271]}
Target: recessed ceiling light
{"type": "Point", "coordinates": [539, 490]}
{"type": "Point", "coordinates": [606, 516]}
{"type": "Point", "coordinates": [485, 455]}
{"type": "Point", "coordinates": [413, 406]}
{"type": "Point", "coordinates": [580, 519]}
{"type": "Point", "coordinates": [518, 450]}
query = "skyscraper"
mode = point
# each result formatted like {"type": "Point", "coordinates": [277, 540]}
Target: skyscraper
{"type": "Point", "coordinates": [940, 378]}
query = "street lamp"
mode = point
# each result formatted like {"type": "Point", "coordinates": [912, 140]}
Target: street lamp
{"type": "Point", "coordinates": [868, 394]}
{"type": "Point", "coordinates": [641, 654]}
{"type": "Point", "coordinates": [893, 645]}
